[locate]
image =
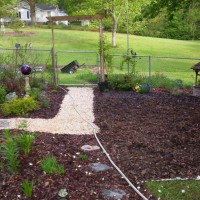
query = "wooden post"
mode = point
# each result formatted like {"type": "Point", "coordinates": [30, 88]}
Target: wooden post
{"type": "Point", "coordinates": [102, 78]}
{"type": "Point", "coordinates": [55, 82]}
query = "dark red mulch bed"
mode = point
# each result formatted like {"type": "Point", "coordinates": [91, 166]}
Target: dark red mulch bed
{"type": "Point", "coordinates": [79, 185]}
{"type": "Point", "coordinates": [55, 100]}
{"type": "Point", "coordinates": [153, 135]}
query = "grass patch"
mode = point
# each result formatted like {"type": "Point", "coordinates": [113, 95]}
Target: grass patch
{"type": "Point", "coordinates": [175, 190]}
{"type": "Point", "coordinates": [81, 76]}
{"type": "Point", "coordinates": [51, 166]}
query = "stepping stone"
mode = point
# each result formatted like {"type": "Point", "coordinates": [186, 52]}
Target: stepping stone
{"type": "Point", "coordinates": [115, 194]}
{"type": "Point", "coordinates": [99, 167]}
{"type": "Point", "coordinates": [4, 123]}
{"type": "Point", "coordinates": [89, 148]}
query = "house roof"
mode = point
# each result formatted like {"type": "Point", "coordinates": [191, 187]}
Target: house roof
{"type": "Point", "coordinates": [46, 7]}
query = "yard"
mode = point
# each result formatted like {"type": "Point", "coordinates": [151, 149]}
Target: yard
{"type": "Point", "coordinates": [154, 136]}
{"type": "Point", "coordinates": [151, 136]}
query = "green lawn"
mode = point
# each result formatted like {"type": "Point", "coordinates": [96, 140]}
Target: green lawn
{"type": "Point", "coordinates": [175, 190]}
{"type": "Point", "coordinates": [85, 40]}
{"type": "Point", "coordinates": [86, 45]}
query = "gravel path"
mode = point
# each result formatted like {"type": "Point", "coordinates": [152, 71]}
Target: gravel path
{"type": "Point", "coordinates": [67, 121]}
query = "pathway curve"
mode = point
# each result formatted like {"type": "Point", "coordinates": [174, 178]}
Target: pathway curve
{"type": "Point", "coordinates": [67, 121]}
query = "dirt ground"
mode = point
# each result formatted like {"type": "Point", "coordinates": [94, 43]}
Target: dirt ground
{"type": "Point", "coordinates": [149, 136]}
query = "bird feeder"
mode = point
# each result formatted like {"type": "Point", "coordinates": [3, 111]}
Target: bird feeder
{"type": "Point", "coordinates": [26, 70]}
{"type": "Point", "coordinates": [196, 87]}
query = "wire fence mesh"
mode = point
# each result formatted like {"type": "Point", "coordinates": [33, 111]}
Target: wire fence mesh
{"type": "Point", "coordinates": [175, 68]}
{"type": "Point", "coordinates": [40, 60]}
{"type": "Point", "coordinates": [150, 67]}
{"type": "Point", "coordinates": [87, 71]}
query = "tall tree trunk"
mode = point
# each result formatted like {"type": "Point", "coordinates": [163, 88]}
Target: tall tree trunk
{"type": "Point", "coordinates": [114, 31]}
{"type": "Point", "coordinates": [32, 4]}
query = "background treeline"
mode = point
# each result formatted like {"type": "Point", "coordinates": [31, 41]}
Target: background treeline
{"type": "Point", "coordinates": [182, 25]}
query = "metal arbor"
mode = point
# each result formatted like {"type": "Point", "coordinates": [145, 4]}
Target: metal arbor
{"type": "Point", "coordinates": [76, 18]}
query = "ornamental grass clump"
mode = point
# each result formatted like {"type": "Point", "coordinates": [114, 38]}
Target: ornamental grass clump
{"type": "Point", "coordinates": [27, 188]}
{"type": "Point", "coordinates": [24, 140]}
{"type": "Point", "coordinates": [51, 166]}
{"type": "Point", "coordinates": [10, 152]}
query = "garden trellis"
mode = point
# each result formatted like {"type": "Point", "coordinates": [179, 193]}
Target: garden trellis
{"type": "Point", "coordinates": [77, 18]}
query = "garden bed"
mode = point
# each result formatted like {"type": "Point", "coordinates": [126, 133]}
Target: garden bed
{"type": "Point", "coordinates": [154, 136]}
{"type": "Point", "coordinates": [55, 98]}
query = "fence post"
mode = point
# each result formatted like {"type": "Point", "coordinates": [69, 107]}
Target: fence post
{"type": "Point", "coordinates": [102, 77]}
{"type": "Point", "coordinates": [54, 67]}
{"type": "Point", "coordinates": [56, 62]}
{"type": "Point", "coordinates": [149, 70]}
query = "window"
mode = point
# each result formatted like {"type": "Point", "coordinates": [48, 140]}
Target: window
{"type": "Point", "coordinates": [28, 15]}
{"type": "Point", "coordinates": [19, 15]}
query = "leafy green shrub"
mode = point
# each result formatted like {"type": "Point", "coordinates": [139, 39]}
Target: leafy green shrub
{"type": "Point", "coordinates": [24, 141]}
{"type": "Point", "coordinates": [43, 101]}
{"type": "Point", "coordinates": [121, 82]}
{"type": "Point", "coordinates": [16, 24]}
{"type": "Point", "coordinates": [27, 188]}
{"type": "Point", "coordinates": [50, 166]}
{"type": "Point", "coordinates": [19, 106]}
{"type": "Point", "coordinates": [54, 91]}
{"type": "Point", "coordinates": [9, 150]}
{"type": "Point", "coordinates": [36, 82]}
{"type": "Point", "coordinates": [162, 81]}
{"type": "Point", "coordinates": [2, 94]}
{"type": "Point", "coordinates": [35, 92]}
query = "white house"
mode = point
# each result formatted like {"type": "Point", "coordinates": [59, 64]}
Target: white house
{"type": "Point", "coordinates": [41, 11]}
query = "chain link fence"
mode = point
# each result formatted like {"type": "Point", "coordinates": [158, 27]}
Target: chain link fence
{"type": "Point", "coordinates": [151, 67]}
{"type": "Point", "coordinates": [40, 60]}
{"type": "Point", "coordinates": [85, 74]}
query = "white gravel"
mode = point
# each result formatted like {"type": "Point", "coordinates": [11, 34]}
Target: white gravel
{"type": "Point", "coordinates": [67, 121]}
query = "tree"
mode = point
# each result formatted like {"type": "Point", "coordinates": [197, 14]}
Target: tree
{"type": "Point", "coordinates": [172, 6]}
{"type": "Point", "coordinates": [7, 8]}
{"type": "Point", "coordinates": [179, 13]}
{"type": "Point", "coordinates": [32, 4]}
{"type": "Point", "coordinates": [114, 8]}
{"type": "Point", "coordinates": [193, 17]}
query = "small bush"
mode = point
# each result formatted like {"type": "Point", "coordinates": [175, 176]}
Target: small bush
{"type": "Point", "coordinates": [34, 93]}
{"type": "Point", "coordinates": [2, 94]}
{"type": "Point", "coordinates": [43, 101]}
{"type": "Point", "coordinates": [36, 82]}
{"type": "Point", "coordinates": [12, 81]}
{"type": "Point", "coordinates": [19, 106]}
{"type": "Point", "coordinates": [54, 91]}
{"type": "Point", "coordinates": [50, 166]}
{"type": "Point", "coordinates": [121, 82]}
